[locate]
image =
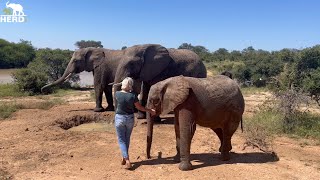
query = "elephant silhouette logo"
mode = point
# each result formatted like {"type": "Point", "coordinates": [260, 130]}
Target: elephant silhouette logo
{"type": "Point", "coordinates": [15, 8]}
{"type": "Point", "coordinates": [13, 13]}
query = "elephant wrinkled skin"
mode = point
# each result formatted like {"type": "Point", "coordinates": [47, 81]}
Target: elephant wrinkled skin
{"type": "Point", "coordinates": [103, 63]}
{"type": "Point", "coordinates": [151, 63]}
{"type": "Point", "coordinates": [214, 102]}
{"type": "Point", "coordinates": [147, 64]}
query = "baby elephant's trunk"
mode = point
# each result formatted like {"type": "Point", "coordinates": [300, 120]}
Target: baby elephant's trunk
{"type": "Point", "coordinates": [149, 134]}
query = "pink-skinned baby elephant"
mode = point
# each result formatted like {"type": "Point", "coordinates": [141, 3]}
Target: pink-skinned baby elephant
{"type": "Point", "coordinates": [214, 102]}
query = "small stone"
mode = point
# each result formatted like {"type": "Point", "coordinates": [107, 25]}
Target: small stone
{"type": "Point", "coordinates": [27, 129]}
{"type": "Point", "coordinates": [81, 169]}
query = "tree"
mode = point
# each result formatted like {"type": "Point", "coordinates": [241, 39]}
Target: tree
{"type": "Point", "coordinates": [90, 43]}
{"type": "Point", "coordinates": [16, 55]}
{"type": "Point", "coordinates": [48, 66]}
{"type": "Point", "coordinates": [311, 85]}
{"type": "Point", "coordinates": [124, 47]}
{"type": "Point", "coordinates": [200, 50]}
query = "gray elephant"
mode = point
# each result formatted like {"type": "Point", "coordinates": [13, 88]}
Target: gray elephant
{"type": "Point", "coordinates": [151, 63]}
{"type": "Point", "coordinates": [103, 63]}
{"type": "Point", "coordinates": [214, 102]}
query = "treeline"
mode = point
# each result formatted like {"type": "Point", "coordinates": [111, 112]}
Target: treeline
{"type": "Point", "coordinates": [286, 69]}
{"type": "Point", "coordinates": [16, 55]}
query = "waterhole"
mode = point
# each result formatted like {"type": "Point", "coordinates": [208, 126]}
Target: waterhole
{"type": "Point", "coordinates": [90, 122]}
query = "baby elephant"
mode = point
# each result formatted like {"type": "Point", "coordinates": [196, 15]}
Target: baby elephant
{"type": "Point", "coordinates": [214, 102]}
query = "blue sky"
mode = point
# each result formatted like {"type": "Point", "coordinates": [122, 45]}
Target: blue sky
{"type": "Point", "coordinates": [234, 25]}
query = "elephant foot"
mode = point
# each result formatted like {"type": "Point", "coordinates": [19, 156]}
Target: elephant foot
{"type": "Point", "coordinates": [98, 109]}
{"type": "Point", "coordinates": [225, 156]}
{"type": "Point", "coordinates": [185, 166]}
{"type": "Point", "coordinates": [110, 108]}
{"type": "Point", "coordinates": [141, 115]}
{"type": "Point", "coordinates": [176, 158]}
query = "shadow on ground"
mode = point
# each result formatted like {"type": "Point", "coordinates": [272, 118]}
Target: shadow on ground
{"type": "Point", "coordinates": [208, 159]}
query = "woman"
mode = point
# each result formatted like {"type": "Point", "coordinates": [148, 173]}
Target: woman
{"type": "Point", "coordinates": [124, 118]}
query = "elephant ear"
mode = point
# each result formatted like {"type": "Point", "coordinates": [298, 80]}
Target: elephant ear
{"type": "Point", "coordinates": [155, 59]}
{"type": "Point", "coordinates": [174, 93]}
{"type": "Point", "coordinates": [94, 57]}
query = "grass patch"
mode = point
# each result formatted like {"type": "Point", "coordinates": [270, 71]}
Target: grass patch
{"type": "Point", "coordinates": [261, 128]}
{"type": "Point", "coordinates": [7, 109]}
{"type": "Point", "coordinates": [304, 125]}
{"type": "Point", "coordinates": [11, 90]}
{"type": "Point", "coordinates": [63, 92]}
{"type": "Point", "coordinates": [43, 104]}
{"type": "Point", "coordinates": [253, 90]}
{"type": "Point", "coordinates": [265, 125]}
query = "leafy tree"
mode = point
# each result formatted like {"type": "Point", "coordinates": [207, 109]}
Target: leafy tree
{"type": "Point", "coordinates": [200, 50]}
{"type": "Point", "coordinates": [89, 43]}
{"type": "Point", "coordinates": [48, 66]}
{"type": "Point", "coordinates": [311, 85]}
{"type": "Point", "coordinates": [221, 54]}
{"type": "Point", "coordinates": [124, 47]}
{"type": "Point", "coordinates": [16, 55]}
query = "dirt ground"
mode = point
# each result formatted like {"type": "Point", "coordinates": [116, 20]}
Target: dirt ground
{"type": "Point", "coordinates": [35, 144]}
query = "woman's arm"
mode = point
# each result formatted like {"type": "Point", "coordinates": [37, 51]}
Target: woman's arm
{"type": "Point", "coordinates": [141, 108]}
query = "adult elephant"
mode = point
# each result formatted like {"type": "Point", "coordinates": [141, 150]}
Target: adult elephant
{"type": "Point", "coordinates": [215, 102]}
{"type": "Point", "coordinates": [103, 63]}
{"type": "Point", "coordinates": [151, 63]}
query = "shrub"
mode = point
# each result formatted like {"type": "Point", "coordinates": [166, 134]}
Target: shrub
{"type": "Point", "coordinates": [11, 90]}
{"type": "Point", "coordinates": [29, 80]}
{"type": "Point", "coordinates": [7, 109]}
{"type": "Point", "coordinates": [261, 128]}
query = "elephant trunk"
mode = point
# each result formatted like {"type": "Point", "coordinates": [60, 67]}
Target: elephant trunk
{"type": "Point", "coordinates": [150, 122]}
{"type": "Point", "coordinates": [67, 73]}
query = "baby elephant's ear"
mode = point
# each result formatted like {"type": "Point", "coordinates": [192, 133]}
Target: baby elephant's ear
{"type": "Point", "coordinates": [175, 92]}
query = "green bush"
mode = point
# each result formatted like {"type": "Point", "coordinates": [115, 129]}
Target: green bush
{"type": "Point", "coordinates": [261, 128]}
{"type": "Point", "coordinates": [29, 80]}
{"type": "Point", "coordinates": [11, 90]}
{"type": "Point", "coordinates": [304, 125]}
{"type": "Point", "coordinates": [6, 109]}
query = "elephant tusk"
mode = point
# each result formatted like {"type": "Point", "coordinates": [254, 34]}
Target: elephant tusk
{"type": "Point", "coordinates": [68, 76]}
{"type": "Point", "coordinates": [115, 84]}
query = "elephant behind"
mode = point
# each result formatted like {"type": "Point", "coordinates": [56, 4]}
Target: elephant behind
{"type": "Point", "coordinates": [214, 102]}
{"type": "Point", "coordinates": [103, 63]}
{"type": "Point", "coordinates": [151, 63]}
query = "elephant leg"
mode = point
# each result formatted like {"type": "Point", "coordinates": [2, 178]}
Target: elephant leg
{"type": "Point", "coordinates": [226, 147]}
{"type": "Point", "coordinates": [177, 132]}
{"type": "Point", "coordinates": [228, 131]}
{"type": "Point", "coordinates": [186, 127]}
{"type": "Point", "coordinates": [218, 131]}
{"type": "Point", "coordinates": [145, 88]}
{"type": "Point", "coordinates": [98, 93]}
{"type": "Point", "coordinates": [108, 93]}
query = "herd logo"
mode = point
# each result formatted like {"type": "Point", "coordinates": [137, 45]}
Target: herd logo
{"type": "Point", "coordinates": [13, 13]}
